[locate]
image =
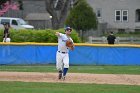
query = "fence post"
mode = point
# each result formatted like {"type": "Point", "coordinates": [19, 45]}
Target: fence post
{"type": "Point", "coordinates": [131, 39]}
{"type": "Point", "coordinates": [104, 39]}
{"type": "Point", "coordinates": [117, 40]}
{"type": "Point", "coordinates": [90, 39]}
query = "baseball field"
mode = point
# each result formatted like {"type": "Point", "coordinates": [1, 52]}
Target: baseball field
{"type": "Point", "coordinates": [80, 79]}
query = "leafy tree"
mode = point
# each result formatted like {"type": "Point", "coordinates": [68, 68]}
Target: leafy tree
{"type": "Point", "coordinates": [3, 1]}
{"type": "Point", "coordinates": [81, 17]}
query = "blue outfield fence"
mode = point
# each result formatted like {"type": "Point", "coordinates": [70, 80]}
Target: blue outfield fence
{"type": "Point", "coordinates": [84, 54]}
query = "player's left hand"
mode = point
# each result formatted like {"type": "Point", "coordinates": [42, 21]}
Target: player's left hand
{"type": "Point", "coordinates": [70, 44]}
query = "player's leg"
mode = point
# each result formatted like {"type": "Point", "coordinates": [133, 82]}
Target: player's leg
{"type": "Point", "coordinates": [4, 40]}
{"type": "Point", "coordinates": [66, 65]}
{"type": "Point", "coordinates": [59, 64]}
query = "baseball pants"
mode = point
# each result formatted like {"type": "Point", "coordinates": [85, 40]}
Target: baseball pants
{"type": "Point", "coordinates": [62, 60]}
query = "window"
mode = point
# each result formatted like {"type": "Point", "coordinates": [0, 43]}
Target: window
{"type": "Point", "coordinates": [117, 15]}
{"type": "Point", "coordinates": [5, 21]}
{"type": "Point", "coordinates": [138, 15]}
{"type": "Point", "coordinates": [121, 31]}
{"type": "Point", "coordinates": [98, 13]}
{"type": "Point", "coordinates": [125, 15]}
{"type": "Point", "coordinates": [14, 22]}
{"type": "Point", "coordinates": [121, 15]}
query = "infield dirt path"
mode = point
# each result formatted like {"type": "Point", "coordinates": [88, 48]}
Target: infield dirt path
{"type": "Point", "coordinates": [71, 78]}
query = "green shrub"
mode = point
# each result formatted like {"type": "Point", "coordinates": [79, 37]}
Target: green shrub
{"type": "Point", "coordinates": [47, 36]}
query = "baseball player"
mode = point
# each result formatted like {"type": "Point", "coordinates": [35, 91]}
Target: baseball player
{"type": "Point", "coordinates": [6, 36]}
{"type": "Point", "coordinates": [62, 56]}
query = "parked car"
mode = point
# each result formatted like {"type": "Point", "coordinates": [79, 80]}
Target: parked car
{"type": "Point", "coordinates": [15, 23]}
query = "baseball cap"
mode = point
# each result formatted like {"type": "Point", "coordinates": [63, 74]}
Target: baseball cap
{"type": "Point", "coordinates": [68, 28]}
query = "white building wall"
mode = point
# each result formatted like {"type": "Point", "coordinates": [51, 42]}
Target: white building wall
{"type": "Point", "coordinates": [108, 8]}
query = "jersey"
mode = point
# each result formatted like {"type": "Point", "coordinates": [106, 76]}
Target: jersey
{"type": "Point", "coordinates": [62, 42]}
{"type": "Point", "coordinates": [111, 39]}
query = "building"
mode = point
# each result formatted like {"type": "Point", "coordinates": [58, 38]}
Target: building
{"type": "Point", "coordinates": [117, 15]}
{"type": "Point", "coordinates": [39, 20]}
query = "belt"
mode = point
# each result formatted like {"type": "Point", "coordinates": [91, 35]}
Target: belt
{"type": "Point", "coordinates": [62, 52]}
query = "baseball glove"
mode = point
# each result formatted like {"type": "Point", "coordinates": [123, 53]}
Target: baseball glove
{"type": "Point", "coordinates": [69, 43]}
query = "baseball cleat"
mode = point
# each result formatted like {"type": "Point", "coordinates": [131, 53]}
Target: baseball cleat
{"type": "Point", "coordinates": [63, 78]}
{"type": "Point", "coordinates": [60, 75]}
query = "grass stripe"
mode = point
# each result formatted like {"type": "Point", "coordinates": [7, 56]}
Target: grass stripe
{"type": "Point", "coordinates": [26, 87]}
{"type": "Point", "coordinates": [75, 69]}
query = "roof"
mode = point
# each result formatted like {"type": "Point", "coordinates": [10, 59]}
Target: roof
{"type": "Point", "coordinates": [9, 18]}
{"type": "Point", "coordinates": [38, 16]}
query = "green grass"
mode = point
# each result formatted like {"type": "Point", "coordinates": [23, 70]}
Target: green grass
{"type": "Point", "coordinates": [38, 87]}
{"type": "Point", "coordinates": [75, 69]}
{"type": "Point", "coordinates": [26, 87]}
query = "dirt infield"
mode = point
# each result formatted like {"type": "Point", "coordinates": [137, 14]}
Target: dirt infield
{"type": "Point", "coordinates": [71, 78]}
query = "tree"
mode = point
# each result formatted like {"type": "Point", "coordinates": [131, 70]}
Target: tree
{"type": "Point", "coordinates": [81, 17]}
{"type": "Point", "coordinates": [58, 9]}
{"type": "Point", "coordinates": [20, 4]}
{"type": "Point", "coordinates": [3, 1]}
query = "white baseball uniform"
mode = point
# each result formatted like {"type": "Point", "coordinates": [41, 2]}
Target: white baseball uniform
{"type": "Point", "coordinates": [7, 40]}
{"type": "Point", "coordinates": [62, 56]}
